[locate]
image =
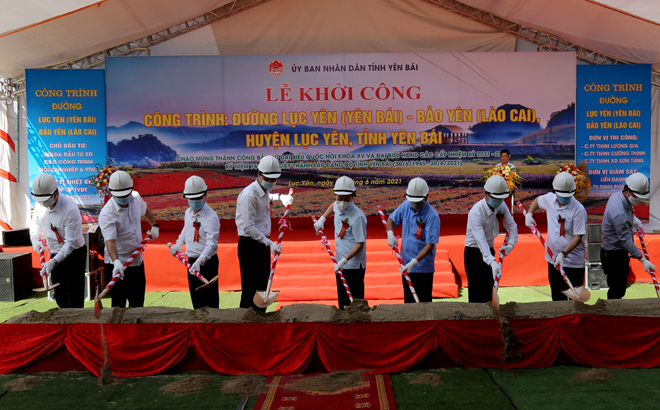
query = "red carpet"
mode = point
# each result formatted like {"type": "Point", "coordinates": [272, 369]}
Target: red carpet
{"type": "Point", "coordinates": [384, 347]}
{"type": "Point", "coordinates": [373, 392]}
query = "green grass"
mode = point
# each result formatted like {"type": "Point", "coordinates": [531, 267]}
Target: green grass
{"type": "Point", "coordinates": [474, 389]}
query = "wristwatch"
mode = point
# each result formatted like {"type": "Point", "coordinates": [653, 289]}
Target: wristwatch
{"type": "Point", "coordinates": [564, 253]}
{"type": "Point", "coordinates": [156, 225]}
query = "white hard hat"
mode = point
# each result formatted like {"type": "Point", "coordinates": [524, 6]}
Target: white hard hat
{"type": "Point", "coordinates": [638, 184]}
{"type": "Point", "coordinates": [496, 187]}
{"type": "Point", "coordinates": [195, 187]}
{"type": "Point", "coordinates": [344, 186]}
{"type": "Point", "coordinates": [120, 184]}
{"type": "Point", "coordinates": [269, 167]}
{"type": "Point", "coordinates": [564, 184]}
{"type": "Point", "coordinates": [417, 190]}
{"type": "Point", "coordinates": [43, 187]}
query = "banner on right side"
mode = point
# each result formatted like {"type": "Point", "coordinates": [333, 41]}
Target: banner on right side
{"type": "Point", "coordinates": [613, 124]}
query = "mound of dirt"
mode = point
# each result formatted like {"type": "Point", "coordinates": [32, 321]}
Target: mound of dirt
{"type": "Point", "coordinates": [329, 382]}
{"type": "Point", "coordinates": [592, 375]}
{"type": "Point", "coordinates": [187, 385]}
{"type": "Point", "coordinates": [358, 311]}
{"type": "Point", "coordinates": [256, 316]}
{"type": "Point", "coordinates": [431, 379]}
{"type": "Point", "coordinates": [244, 386]}
{"type": "Point", "coordinates": [24, 383]}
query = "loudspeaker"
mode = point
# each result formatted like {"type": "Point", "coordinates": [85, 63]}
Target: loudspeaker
{"type": "Point", "coordinates": [15, 276]}
{"type": "Point", "coordinates": [596, 278]}
{"type": "Point", "coordinates": [16, 237]}
{"type": "Point", "coordinates": [594, 233]}
{"type": "Point", "coordinates": [593, 252]}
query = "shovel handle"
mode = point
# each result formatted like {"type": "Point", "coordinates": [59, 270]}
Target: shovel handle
{"type": "Point", "coordinates": [324, 241]}
{"type": "Point", "coordinates": [640, 235]}
{"type": "Point", "coordinates": [116, 277]}
{"type": "Point", "coordinates": [185, 263]}
{"type": "Point", "coordinates": [536, 232]}
{"type": "Point", "coordinates": [283, 227]}
{"type": "Point", "coordinates": [398, 257]}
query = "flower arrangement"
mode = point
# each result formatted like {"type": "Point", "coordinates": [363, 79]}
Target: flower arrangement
{"type": "Point", "coordinates": [582, 181]}
{"type": "Point", "coordinates": [513, 180]}
{"type": "Point", "coordinates": [99, 181]}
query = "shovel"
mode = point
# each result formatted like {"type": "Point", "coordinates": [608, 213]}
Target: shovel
{"type": "Point", "coordinates": [496, 285]}
{"type": "Point", "coordinates": [44, 275]}
{"type": "Point", "coordinates": [580, 293]}
{"type": "Point", "coordinates": [266, 298]}
{"type": "Point", "coordinates": [640, 234]}
{"type": "Point", "coordinates": [98, 306]}
{"type": "Point", "coordinates": [326, 243]}
{"type": "Point", "coordinates": [185, 263]}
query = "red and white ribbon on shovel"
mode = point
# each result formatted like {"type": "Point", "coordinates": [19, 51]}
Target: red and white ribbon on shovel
{"type": "Point", "coordinates": [267, 298]}
{"type": "Point", "coordinates": [398, 257]}
{"type": "Point", "coordinates": [97, 304]}
{"type": "Point", "coordinates": [583, 295]}
{"type": "Point", "coordinates": [182, 258]}
{"type": "Point", "coordinates": [496, 285]}
{"type": "Point", "coordinates": [326, 243]}
{"type": "Point", "coordinates": [640, 234]}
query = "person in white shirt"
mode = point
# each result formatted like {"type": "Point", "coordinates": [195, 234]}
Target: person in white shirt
{"type": "Point", "coordinates": [120, 225]}
{"type": "Point", "coordinates": [200, 235]}
{"type": "Point", "coordinates": [59, 218]}
{"type": "Point", "coordinates": [505, 154]}
{"type": "Point", "coordinates": [253, 225]}
{"type": "Point", "coordinates": [482, 228]}
{"type": "Point", "coordinates": [350, 236]}
{"type": "Point", "coordinates": [567, 225]}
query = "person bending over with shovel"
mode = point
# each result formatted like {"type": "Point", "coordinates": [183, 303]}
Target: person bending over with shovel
{"type": "Point", "coordinates": [59, 218]}
{"type": "Point", "coordinates": [119, 221]}
{"type": "Point", "coordinates": [253, 225]}
{"type": "Point", "coordinates": [619, 224]}
{"type": "Point", "coordinates": [421, 230]}
{"type": "Point", "coordinates": [567, 225]}
{"type": "Point", "coordinates": [350, 236]}
{"type": "Point", "coordinates": [482, 228]}
{"type": "Point", "coordinates": [200, 234]}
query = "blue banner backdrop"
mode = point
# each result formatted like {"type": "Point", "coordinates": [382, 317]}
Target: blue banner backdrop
{"type": "Point", "coordinates": [67, 128]}
{"type": "Point", "coordinates": [613, 124]}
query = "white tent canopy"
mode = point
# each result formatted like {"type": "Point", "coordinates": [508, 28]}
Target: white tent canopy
{"type": "Point", "coordinates": [42, 33]}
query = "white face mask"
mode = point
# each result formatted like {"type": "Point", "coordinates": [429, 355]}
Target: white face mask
{"type": "Point", "coordinates": [48, 202]}
{"type": "Point", "coordinates": [342, 205]}
{"type": "Point", "coordinates": [633, 200]}
{"type": "Point", "coordinates": [267, 185]}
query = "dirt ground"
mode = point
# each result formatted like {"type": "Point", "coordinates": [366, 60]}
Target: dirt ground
{"type": "Point", "coordinates": [330, 382]}
{"type": "Point", "coordinates": [244, 386]}
{"type": "Point", "coordinates": [24, 383]}
{"type": "Point", "coordinates": [187, 385]}
{"type": "Point", "coordinates": [592, 375]}
{"type": "Point", "coordinates": [359, 311]}
{"type": "Point", "coordinates": [431, 379]}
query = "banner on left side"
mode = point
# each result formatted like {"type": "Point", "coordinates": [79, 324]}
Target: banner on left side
{"type": "Point", "coordinates": [67, 129]}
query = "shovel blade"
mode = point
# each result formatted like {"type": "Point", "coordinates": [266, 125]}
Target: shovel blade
{"type": "Point", "coordinates": [263, 300]}
{"type": "Point", "coordinates": [98, 306]}
{"type": "Point", "coordinates": [209, 283]}
{"type": "Point", "coordinates": [581, 294]}
{"type": "Point", "coordinates": [496, 303]}
{"type": "Point", "coordinates": [46, 288]}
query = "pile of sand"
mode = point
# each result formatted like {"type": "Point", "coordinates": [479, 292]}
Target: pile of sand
{"type": "Point", "coordinates": [330, 382]}
{"type": "Point", "coordinates": [431, 379]}
{"type": "Point", "coordinates": [244, 386]}
{"type": "Point", "coordinates": [24, 383]}
{"type": "Point", "coordinates": [187, 385]}
{"type": "Point", "coordinates": [359, 311]}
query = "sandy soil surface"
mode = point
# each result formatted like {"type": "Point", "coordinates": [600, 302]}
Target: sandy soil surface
{"type": "Point", "coordinates": [359, 311]}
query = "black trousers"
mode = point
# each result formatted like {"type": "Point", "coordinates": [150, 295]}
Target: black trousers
{"type": "Point", "coordinates": [423, 284]}
{"type": "Point", "coordinates": [131, 288]}
{"type": "Point", "coordinates": [557, 284]}
{"type": "Point", "coordinates": [616, 265]}
{"type": "Point", "coordinates": [355, 280]}
{"type": "Point", "coordinates": [207, 297]}
{"type": "Point", "coordinates": [479, 274]}
{"type": "Point", "coordinates": [70, 274]}
{"type": "Point", "coordinates": [254, 261]}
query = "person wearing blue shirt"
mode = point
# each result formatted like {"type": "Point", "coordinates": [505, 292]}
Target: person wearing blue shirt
{"type": "Point", "coordinates": [421, 230]}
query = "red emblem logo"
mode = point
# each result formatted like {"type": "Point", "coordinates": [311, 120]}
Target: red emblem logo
{"type": "Point", "coordinates": [276, 68]}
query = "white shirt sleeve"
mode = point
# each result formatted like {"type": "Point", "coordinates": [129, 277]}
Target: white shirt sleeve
{"type": "Point", "coordinates": [35, 228]}
{"type": "Point", "coordinates": [509, 224]}
{"type": "Point", "coordinates": [72, 227]}
{"type": "Point", "coordinates": [480, 236]}
{"type": "Point", "coordinates": [212, 230]}
{"type": "Point", "coordinates": [250, 229]}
